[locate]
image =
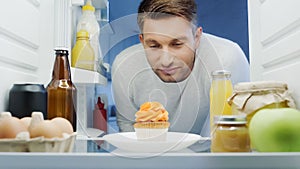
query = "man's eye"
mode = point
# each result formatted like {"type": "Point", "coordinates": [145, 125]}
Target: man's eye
{"type": "Point", "coordinates": [154, 46]}
{"type": "Point", "coordinates": [177, 44]}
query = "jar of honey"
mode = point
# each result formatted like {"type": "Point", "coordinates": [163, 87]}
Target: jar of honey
{"type": "Point", "coordinates": [250, 97]}
{"type": "Point", "coordinates": [230, 134]}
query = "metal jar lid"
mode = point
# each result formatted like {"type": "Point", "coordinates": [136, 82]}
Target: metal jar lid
{"type": "Point", "coordinates": [230, 119]}
{"type": "Point", "coordinates": [221, 73]}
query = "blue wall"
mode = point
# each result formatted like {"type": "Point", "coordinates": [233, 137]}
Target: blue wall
{"type": "Point", "coordinates": [225, 18]}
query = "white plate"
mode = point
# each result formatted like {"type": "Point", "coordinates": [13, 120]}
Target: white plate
{"type": "Point", "coordinates": [175, 141]}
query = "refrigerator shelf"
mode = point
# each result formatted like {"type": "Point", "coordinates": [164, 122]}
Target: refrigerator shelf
{"type": "Point", "coordinates": [87, 77]}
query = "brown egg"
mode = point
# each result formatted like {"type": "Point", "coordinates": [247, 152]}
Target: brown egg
{"type": "Point", "coordinates": [10, 126]}
{"type": "Point", "coordinates": [45, 128]}
{"type": "Point", "coordinates": [64, 124]}
{"type": "Point", "coordinates": [26, 121]}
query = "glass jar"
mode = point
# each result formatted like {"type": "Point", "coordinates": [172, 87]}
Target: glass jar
{"type": "Point", "coordinates": [220, 91]}
{"type": "Point", "coordinates": [230, 134]}
{"type": "Point", "coordinates": [250, 97]}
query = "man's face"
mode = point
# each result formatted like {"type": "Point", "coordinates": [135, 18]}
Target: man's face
{"type": "Point", "coordinates": [170, 46]}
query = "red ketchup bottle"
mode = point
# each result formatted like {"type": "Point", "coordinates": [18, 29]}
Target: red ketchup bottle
{"type": "Point", "coordinates": [100, 116]}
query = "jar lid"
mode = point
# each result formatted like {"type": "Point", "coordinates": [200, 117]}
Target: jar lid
{"type": "Point", "coordinates": [221, 73]}
{"type": "Point", "coordinates": [260, 85]}
{"type": "Point", "coordinates": [230, 119]}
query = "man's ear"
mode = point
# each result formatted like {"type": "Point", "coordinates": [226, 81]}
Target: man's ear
{"type": "Point", "coordinates": [141, 37]}
{"type": "Point", "coordinates": [198, 35]}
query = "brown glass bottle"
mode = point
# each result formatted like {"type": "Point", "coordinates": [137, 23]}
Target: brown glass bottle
{"type": "Point", "coordinates": [61, 91]}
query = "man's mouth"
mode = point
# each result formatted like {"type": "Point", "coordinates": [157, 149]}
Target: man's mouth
{"type": "Point", "coordinates": [169, 71]}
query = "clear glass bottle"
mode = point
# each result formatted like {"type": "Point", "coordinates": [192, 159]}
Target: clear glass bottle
{"type": "Point", "coordinates": [61, 91]}
{"type": "Point", "coordinates": [231, 134]}
{"type": "Point", "coordinates": [82, 53]}
{"type": "Point", "coordinates": [220, 91]}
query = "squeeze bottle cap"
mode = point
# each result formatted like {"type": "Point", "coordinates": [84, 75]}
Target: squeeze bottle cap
{"type": "Point", "coordinates": [82, 33]}
{"type": "Point", "coordinates": [100, 104]}
{"type": "Point", "coordinates": [88, 6]}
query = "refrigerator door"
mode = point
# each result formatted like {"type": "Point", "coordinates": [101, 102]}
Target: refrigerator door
{"type": "Point", "coordinates": [274, 43]}
{"type": "Point", "coordinates": [26, 40]}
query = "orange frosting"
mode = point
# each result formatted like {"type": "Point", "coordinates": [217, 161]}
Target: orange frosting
{"type": "Point", "coordinates": [152, 112]}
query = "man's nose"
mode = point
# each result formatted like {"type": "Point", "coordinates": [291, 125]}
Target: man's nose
{"type": "Point", "coordinates": [166, 58]}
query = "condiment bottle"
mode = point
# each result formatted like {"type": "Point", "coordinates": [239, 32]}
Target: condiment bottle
{"type": "Point", "coordinates": [88, 22]}
{"type": "Point", "coordinates": [100, 116]}
{"type": "Point", "coordinates": [230, 135]}
{"type": "Point", "coordinates": [82, 53]}
{"type": "Point", "coordinates": [220, 91]}
{"type": "Point", "coordinates": [61, 91]}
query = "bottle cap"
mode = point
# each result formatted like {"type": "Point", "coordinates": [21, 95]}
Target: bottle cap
{"type": "Point", "coordinates": [82, 33]}
{"type": "Point", "coordinates": [88, 6]}
{"type": "Point", "coordinates": [221, 73]}
{"type": "Point", "coordinates": [100, 104]}
{"type": "Point", "coordinates": [61, 50]}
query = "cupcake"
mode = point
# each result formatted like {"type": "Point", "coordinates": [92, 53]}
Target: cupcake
{"type": "Point", "coordinates": [151, 122]}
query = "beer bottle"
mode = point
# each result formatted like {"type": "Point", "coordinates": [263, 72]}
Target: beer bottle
{"type": "Point", "coordinates": [61, 91]}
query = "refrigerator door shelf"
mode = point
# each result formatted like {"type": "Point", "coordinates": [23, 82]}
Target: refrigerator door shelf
{"type": "Point", "coordinates": [87, 77]}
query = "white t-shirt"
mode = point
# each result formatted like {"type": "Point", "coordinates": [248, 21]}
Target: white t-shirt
{"type": "Point", "coordinates": [187, 102]}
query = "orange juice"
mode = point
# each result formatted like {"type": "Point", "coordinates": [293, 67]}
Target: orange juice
{"type": "Point", "coordinates": [220, 91]}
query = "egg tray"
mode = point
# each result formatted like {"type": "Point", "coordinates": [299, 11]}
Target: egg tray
{"type": "Point", "coordinates": [23, 143]}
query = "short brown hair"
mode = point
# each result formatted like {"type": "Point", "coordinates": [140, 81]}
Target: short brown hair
{"type": "Point", "coordinates": [156, 9]}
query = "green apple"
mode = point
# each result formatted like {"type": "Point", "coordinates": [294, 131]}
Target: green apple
{"type": "Point", "coordinates": [275, 130]}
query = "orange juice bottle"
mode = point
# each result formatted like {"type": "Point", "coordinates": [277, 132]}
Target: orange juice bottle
{"type": "Point", "coordinates": [220, 91]}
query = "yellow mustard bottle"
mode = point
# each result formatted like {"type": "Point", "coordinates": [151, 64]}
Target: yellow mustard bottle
{"type": "Point", "coordinates": [82, 53]}
{"type": "Point", "coordinates": [221, 89]}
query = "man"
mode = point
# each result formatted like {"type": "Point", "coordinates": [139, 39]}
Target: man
{"type": "Point", "coordinates": [173, 66]}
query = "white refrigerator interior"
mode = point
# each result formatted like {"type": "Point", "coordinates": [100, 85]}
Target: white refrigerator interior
{"type": "Point", "coordinates": [29, 31]}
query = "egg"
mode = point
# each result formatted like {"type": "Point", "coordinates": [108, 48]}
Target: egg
{"type": "Point", "coordinates": [10, 126]}
{"type": "Point", "coordinates": [26, 121]}
{"type": "Point", "coordinates": [45, 128]}
{"type": "Point", "coordinates": [64, 124]}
